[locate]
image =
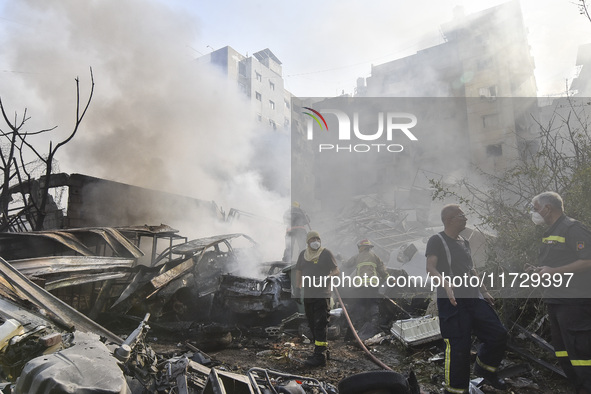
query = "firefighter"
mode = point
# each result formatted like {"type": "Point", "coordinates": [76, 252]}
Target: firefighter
{"type": "Point", "coordinates": [314, 266]}
{"type": "Point", "coordinates": [463, 310]}
{"type": "Point", "coordinates": [566, 249]}
{"type": "Point", "coordinates": [297, 225]}
{"type": "Point", "coordinates": [364, 306]}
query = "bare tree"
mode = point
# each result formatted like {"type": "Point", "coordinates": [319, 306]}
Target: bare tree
{"type": "Point", "coordinates": [17, 178]}
{"type": "Point", "coordinates": [584, 9]}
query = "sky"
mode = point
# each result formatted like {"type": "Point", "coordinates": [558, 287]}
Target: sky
{"type": "Point", "coordinates": [326, 45]}
{"type": "Point", "coordinates": [158, 120]}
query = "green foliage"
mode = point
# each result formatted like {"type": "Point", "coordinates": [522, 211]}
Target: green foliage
{"type": "Point", "coordinates": [558, 160]}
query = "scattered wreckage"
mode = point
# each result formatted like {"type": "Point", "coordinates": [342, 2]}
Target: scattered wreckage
{"type": "Point", "coordinates": [56, 285]}
{"type": "Point", "coordinates": [52, 281]}
{"type": "Point", "coordinates": [48, 347]}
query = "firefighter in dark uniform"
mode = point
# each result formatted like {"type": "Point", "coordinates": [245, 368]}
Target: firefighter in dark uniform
{"type": "Point", "coordinates": [365, 303]}
{"type": "Point", "coordinates": [463, 310]}
{"type": "Point", "coordinates": [566, 249]}
{"type": "Point", "coordinates": [315, 264]}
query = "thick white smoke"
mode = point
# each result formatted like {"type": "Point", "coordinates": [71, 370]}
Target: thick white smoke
{"type": "Point", "coordinates": [157, 118]}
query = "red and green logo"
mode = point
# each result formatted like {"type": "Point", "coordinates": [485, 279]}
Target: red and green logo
{"type": "Point", "coordinates": [315, 116]}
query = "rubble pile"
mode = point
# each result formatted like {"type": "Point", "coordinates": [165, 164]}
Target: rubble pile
{"type": "Point", "coordinates": [78, 312]}
{"type": "Point", "coordinates": [369, 217]}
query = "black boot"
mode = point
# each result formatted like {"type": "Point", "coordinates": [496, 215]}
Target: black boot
{"type": "Point", "coordinates": [490, 378]}
{"type": "Point", "coordinates": [316, 360]}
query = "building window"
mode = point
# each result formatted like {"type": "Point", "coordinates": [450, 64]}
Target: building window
{"type": "Point", "coordinates": [272, 123]}
{"type": "Point", "coordinates": [489, 92]}
{"type": "Point", "coordinates": [242, 69]}
{"type": "Point", "coordinates": [259, 117]}
{"type": "Point", "coordinates": [271, 85]}
{"type": "Point", "coordinates": [259, 76]}
{"type": "Point", "coordinates": [258, 96]}
{"type": "Point", "coordinates": [494, 150]}
{"type": "Point", "coordinates": [271, 104]}
{"type": "Point", "coordinates": [286, 104]}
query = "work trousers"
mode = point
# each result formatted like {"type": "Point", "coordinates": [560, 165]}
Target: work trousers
{"type": "Point", "coordinates": [317, 312]}
{"type": "Point", "coordinates": [458, 323]}
{"type": "Point", "coordinates": [570, 325]}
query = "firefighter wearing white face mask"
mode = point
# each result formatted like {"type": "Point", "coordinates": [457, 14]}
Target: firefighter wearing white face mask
{"type": "Point", "coordinates": [537, 218]}
{"type": "Point", "coordinates": [315, 263]}
{"type": "Point", "coordinates": [566, 249]}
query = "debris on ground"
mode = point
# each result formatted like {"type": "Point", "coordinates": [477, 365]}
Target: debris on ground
{"type": "Point", "coordinates": [189, 321]}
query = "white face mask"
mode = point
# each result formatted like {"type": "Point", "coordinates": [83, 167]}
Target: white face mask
{"type": "Point", "coordinates": [537, 218]}
{"type": "Point", "coordinates": [315, 245]}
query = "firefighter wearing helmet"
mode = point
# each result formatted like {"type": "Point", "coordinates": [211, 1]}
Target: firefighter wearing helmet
{"type": "Point", "coordinates": [368, 271]}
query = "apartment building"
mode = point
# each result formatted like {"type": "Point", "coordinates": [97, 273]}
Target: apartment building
{"type": "Point", "coordinates": [485, 58]}
{"type": "Point", "coordinates": [260, 78]}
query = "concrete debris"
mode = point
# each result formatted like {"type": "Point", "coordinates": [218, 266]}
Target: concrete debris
{"type": "Point", "coordinates": [63, 294]}
{"type": "Point", "coordinates": [368, 217]}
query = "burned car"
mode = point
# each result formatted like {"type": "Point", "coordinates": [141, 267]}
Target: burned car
{"type": "Point", "coordinates": [102, 273]}
{"type": "Point", "coordinates": [200, 281]}
{"type": "Point", "coordinates": [46, 346]}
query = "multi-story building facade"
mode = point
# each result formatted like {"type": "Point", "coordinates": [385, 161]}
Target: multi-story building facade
{"type": "Point", "coordinates": [581, 84]}
{"type": "Point", "coordinates": [485, 56]}
{"type": "Point", "coordinates": [260, 78]}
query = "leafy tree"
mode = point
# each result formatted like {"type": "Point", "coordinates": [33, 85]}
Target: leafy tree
{"type": "Point", "coordinates": [561, 163]}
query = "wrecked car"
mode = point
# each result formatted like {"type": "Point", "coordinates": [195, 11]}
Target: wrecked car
{"type": "Point", "coordinates": [200, 279]}
{"type": "Point", "coordinates": [47, 346]}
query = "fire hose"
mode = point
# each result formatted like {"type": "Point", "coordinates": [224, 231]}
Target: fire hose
{"type": "Point", "coordinates": [359, 341]}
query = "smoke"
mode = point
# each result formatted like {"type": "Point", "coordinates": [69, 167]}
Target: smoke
{"type": "Point", "coordinates": [457, 130]}
{"type": "Point", "coordinates": [157, 119]}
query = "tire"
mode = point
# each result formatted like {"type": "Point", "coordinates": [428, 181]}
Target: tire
{"type": "Point", "coordinates": [374, 380]}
